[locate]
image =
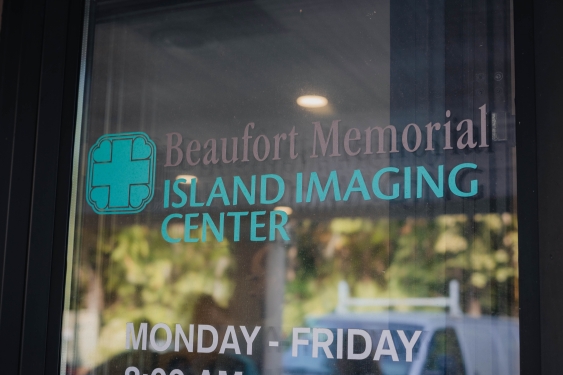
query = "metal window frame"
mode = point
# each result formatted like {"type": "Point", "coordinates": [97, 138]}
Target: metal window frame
{"type": "Point", "coordinates": [40, 43]}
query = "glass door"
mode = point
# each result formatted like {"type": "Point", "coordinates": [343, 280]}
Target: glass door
{"type": "Point", "coordinates": [294, 187]}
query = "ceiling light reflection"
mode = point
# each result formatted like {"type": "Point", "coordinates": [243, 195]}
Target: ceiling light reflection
{"type": "Point", "coordinates": [287, 210]}
{"type": "Point", "coordinates": [312, 101]}
{"type": "Point", "coordinates": [187, 177]}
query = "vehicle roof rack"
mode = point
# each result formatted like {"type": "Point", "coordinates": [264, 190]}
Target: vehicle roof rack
{"type": "Point", "coordinates": [451, 302]}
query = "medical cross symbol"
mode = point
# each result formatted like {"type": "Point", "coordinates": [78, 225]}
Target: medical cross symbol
{"type": "Point", "coordinates": [121, 173]}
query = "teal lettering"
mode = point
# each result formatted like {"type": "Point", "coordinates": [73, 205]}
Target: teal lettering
{"type": "Point", "coordinates": [323, 192]}
{"type": "Point", "coordinates": [193, 190]}
{"type": "Point", "coordinates": [207, 221]}
{"type": "Point", "coordinates": [188, 227]}
{"type": "Point", "coordinates": [278, 226]}
{"type": "Point", "coordinates": [221, 194]}
{"type": "Point", "coordinates": [255, 225]}
{"type": "Point", "coordinates": [408, 182]}
{"type": "Point", "coordinates": [438, 189]}
{"type": "Point", "coordinates": [357, 177]}
{"type": "Point", "coordinates": [452, 181]}
{"type": "Point", "coordinates": [264, 185]}
{"type": "Point", "coordinates": [375, 184]}
{"type": "Point", "coordinates": [236, 226]}
{"type": "Point", "coordinates": [166, 193]}
{"type": "Point", "coordinates": [164, 228]}
{"type": "Point", "coordinates": [299, 188]}
{"type": "Point", "coordinates": [180, 193]}
{"type": "Point", "coordinates": [249, 195]}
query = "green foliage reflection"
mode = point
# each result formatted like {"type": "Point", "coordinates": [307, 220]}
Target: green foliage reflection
{"type": "Point", "coordinates": [415, 257]}
{"type": "Point", "coordinates": [135, 276]}
{"type": "Point", "coordinates": [149, 280]}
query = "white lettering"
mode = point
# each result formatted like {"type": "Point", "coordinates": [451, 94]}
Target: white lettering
{"type": "Point", "coordinates": [339, 343]}
{"type": "Point", "coordinates": [230, 333]}
{"type": "Point", "coordinates": [154, 344]}
{"type": "Point", "coordinates": [409, 345]}
{"type": "Point", "coordinates": [200, 339]}
{"type": "Point", "coordinates": [130, 335]}
{"type": "Point", "coordinates": [249, 338]}
{"type": "Point", "coordinates": [367, 338]}
{"type": "Point", "coordinates": [189, 343]}
{"type": "Point", "coordinates": [322, 344]}
{"type": "Point", "coordinates": [386, 337]}
{"type": "Point", "coordinates": [297, 341]}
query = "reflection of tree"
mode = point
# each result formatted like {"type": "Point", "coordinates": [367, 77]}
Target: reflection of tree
{"type": "Point", "coordinates": [405, 258]}
{"type": "Point", "coordinates": [147, 279]}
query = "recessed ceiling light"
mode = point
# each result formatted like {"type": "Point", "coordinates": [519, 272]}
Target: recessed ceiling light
{"type": "Point", "coordinates": [312, 101]}
{"type": "Point", "coordinates": [187, 177]}
{"type": "Point", "coordinates": [287, 210]}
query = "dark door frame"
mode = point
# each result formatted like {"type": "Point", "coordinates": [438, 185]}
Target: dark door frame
{"type": "Point", "coordinates": [40, 50]}
{"type": "Point", "coordinates": [40, 54]}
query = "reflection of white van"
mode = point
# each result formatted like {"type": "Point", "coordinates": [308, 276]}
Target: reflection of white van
{"type": "Point", "coordinates": [451, 344]}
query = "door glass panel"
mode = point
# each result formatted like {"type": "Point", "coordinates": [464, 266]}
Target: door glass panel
{"type": "Point", "coordinates": [444, 356]}
{"type": "Point", "coordinates": [294, 187]}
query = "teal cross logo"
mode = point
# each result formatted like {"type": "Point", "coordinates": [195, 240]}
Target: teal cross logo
{"type": "Point", "coordinates": [121, 171]}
